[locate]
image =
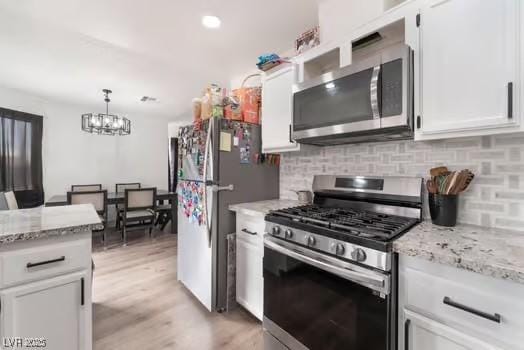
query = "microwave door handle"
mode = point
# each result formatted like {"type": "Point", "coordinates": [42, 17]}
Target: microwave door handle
{"type": "Point", "coordinates": [373, 92]}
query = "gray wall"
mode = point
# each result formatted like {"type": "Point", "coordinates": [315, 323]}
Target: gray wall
{"type": "Point", "coordinates": [496, 197]}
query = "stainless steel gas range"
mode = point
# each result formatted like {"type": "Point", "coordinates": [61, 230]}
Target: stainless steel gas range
{"type": "Point", "coordinates": [330, 277]}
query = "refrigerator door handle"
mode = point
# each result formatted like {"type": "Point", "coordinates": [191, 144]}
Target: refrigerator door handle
{"type": "Point", "coordinates": [216, 188]}
{"type": "Point", "coordinates": [206, 158]}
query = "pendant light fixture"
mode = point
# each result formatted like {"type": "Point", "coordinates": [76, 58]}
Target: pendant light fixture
{"type": "Point", "coordinates": [105, 123]}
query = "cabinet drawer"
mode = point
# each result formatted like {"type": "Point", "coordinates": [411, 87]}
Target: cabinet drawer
{"type": "Point", "coordinates": [489, 308]}
{"type": "Point", "coordinates": [250, 228]}
{"type": "Point", "coordinates": [35, 263]}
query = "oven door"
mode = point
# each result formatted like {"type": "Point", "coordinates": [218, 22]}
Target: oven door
{"type": "Point", "coordinates": [369, 94]}
{"type": "Point", "coordinates": [313, 301]}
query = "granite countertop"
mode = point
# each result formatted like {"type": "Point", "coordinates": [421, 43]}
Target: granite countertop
{"type": "Point", "coordinates": [44, 222]}
{"type": "Point", "coordinates": [488, 251]}
{"type": "Point", "coordinates": [262, 208]}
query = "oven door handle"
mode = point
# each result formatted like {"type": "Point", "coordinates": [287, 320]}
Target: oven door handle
{"type": "Point", "coordinates": [375, 281]}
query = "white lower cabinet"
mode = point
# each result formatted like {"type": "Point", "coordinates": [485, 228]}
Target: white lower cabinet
{"type": "Point", "coordinates": [45, 294]}
{"type": "Point", "coordinates": [50, 312]}
{"type": "Point", "coordinates": [423, 333]}
{"type": "Point", "coordinates": [446, 308]}
{"type": "Point", "coordinates": [250, 252]}
{"type": "Point", "coordinates": [250, 284]}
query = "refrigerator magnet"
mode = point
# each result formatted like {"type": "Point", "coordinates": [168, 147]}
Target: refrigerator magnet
{"type": "Point", "coordinates": [244, 155]}
{"type": "Point", "coordinates": [225, 141]}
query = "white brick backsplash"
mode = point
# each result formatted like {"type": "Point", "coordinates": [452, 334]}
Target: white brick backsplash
{"type": "Point", "coordinates": [495, 198]}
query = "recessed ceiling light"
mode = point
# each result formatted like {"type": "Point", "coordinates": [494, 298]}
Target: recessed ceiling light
{"type": "Point", "coordinates": [212, 22]}
{"type": "Point", "coordinates": [330, 85]}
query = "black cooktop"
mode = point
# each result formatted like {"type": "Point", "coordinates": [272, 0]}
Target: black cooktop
{"type": "Point", "coordinates": [344, 221]}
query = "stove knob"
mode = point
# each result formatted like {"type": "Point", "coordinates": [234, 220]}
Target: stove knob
{"type": "Point", "coordinates": [358, 254]}
{"type": "Point", "coordinates": [276, 230]}
{"type": "Point", "coordinates": [288, 233]}
{"type": "Point", "coordinates": [311, 241]}
{"type": "Point", "coordinates": [339, 249]}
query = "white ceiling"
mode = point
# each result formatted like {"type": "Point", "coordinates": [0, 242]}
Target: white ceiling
{"type": "Point", "coordinates": [71, 49]}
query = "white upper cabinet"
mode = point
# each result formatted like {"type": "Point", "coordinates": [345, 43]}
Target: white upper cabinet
{"type": "Point", "coordinates": [277, 111]}
{"type": "Point", "coordinates": [469, 68]}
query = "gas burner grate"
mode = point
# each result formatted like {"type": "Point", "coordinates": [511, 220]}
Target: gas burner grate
{"type": "Point", "coordinates": [350, 221]}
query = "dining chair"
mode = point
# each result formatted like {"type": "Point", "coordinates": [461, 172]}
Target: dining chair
{"type": "Point", "coordinates": [139, 210]}
{"type": "Point", "coordinates": [83, 188]}
{"type": "Point", "coordinates": [121, 188]}
{"type": "Point", "coordinates": [163, 214]}
{"type": "Point", "coordinates": [10, 198]}
{"type": "Point", "coordinates": [98, 199]}
{"type": "Point", "coordinates": [3, 202]}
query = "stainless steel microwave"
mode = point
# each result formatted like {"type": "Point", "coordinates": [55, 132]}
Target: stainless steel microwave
{"type": "Point", "coordinates": [369, 100]}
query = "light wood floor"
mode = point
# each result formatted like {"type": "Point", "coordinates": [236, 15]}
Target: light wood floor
{"type": "Point", "coordinates": [139, 304]}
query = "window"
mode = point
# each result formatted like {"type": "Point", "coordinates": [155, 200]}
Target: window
{"type": "Point", "coordinates": [21, 156]}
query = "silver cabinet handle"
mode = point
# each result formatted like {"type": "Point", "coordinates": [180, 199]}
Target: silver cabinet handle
{"type": "Point", "coordinates": [349, 271]}
{"type": "Point", "coordinates": [373, 89]}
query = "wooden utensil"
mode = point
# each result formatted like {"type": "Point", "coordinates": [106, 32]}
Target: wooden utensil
{"type": "Point", "coordinates": [438, 171]}
{"type": "Point", "coordinates": [431, 186]}
{"type": "Point", "coordinates": [460, 182]}
{"type": "Point", "coordinates": [442, 181]}
{"type": "Point", "coordinates": [469, 178]}
{"type": "Point", "coordinates": [452, 182]}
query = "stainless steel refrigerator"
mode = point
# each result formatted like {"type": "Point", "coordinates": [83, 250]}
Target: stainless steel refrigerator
{"type": "Point", "coordinates": [220, 164]}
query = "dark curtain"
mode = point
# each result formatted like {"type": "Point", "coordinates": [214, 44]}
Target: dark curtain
{"type": "Point", "coordinates": [21, 156]}
{"type": "Point", "coordinates": [173, 164]}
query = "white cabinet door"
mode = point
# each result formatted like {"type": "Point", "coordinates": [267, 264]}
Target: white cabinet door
{"type": "Point", "coordinates": [469, 56]}
{"type": "Point", "coordinates": [249, 280]}
{"type": "Point", "coordinates": [56, 310]}
{"type": "Point", "coordinates": [424, 333]}
{"type": "Point", "coordinates": [277, 111]}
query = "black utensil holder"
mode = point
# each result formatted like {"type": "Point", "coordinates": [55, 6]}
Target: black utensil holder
{"type": "Point", "coordinates": [443, 209]}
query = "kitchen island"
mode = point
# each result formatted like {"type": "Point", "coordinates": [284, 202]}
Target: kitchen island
{"type": "Point", "coordinates": [45, 277]}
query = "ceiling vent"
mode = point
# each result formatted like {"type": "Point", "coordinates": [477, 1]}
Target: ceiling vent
{"type": "Point", "coordinates": [148, 99]}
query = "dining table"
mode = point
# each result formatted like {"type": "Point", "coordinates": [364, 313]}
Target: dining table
{"type": "Point", "coordinates": [114, 198]}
